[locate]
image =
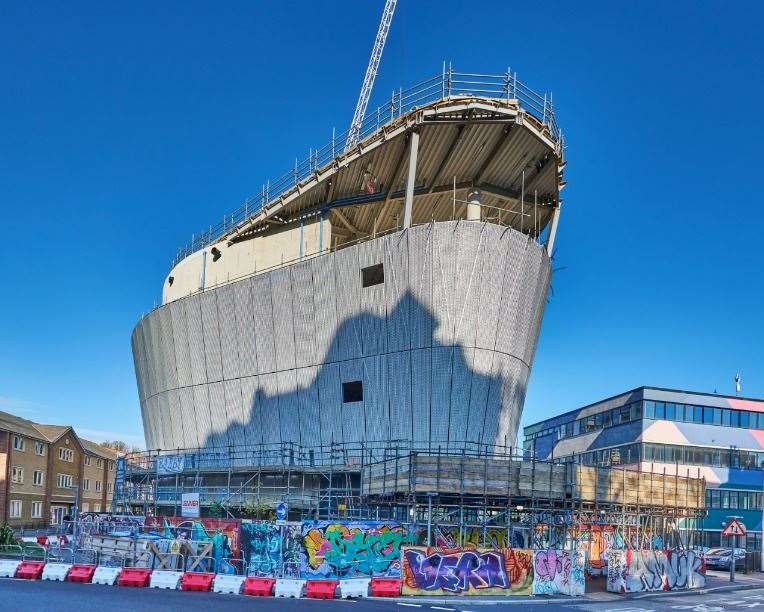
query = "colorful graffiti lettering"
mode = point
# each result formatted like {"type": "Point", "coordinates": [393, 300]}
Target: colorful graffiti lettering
{"type": "Point", "coordinates": [558, 572]}
{"type": "Point", "coordinates": [633, 571]}
{"type": "Point", "coordinates": [466, 572]}
{"type": "Point", "coordinates": [352, 549]}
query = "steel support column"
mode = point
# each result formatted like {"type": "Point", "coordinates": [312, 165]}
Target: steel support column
{"type": "Point", "coordinates": [410, 179]}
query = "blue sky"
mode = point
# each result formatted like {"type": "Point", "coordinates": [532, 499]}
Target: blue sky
{"type": "Point", "coordinates": [125, 129]}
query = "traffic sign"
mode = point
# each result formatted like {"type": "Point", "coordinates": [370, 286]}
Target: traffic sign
{"type": "Point", "coordinates": [734, 528]}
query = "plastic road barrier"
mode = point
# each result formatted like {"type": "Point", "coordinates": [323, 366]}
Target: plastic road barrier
{"type": "Point", "coordinates": [165, 579]}
{"type": "Point", "coordinates": [81, 572]}
{"type": "Point", "coordinates": [260, 587]}
{"type": "Point", "coordinates": [197, 581]}
{"type": "Point", "coordinates": [134, 577]}
{"type": "Point", "coordinates": [354, 587]}
{"type": "Point", "coordinates": [8, 568]}
{"type": "Point", "coordinates": [30, 570]}
{"type": "Point", "coordinates": [320, 589]}
{"type": "Point", "coordinates": [106, 575]}
{"type": "Point", "coordinates": [289, 587]}
{"type": "Point", "coordinates": [228, 583]}
{"type": "Point", "coordinates": [56, 571]}
{"type": "Point", "coordinates": [386, 587]}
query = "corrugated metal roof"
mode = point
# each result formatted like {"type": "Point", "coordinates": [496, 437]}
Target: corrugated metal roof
{"type": "Point", "coordinates": [475, 142]}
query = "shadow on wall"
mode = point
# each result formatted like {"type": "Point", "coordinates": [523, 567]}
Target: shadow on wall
{"type": "Point", "coordinates": [441, 393]}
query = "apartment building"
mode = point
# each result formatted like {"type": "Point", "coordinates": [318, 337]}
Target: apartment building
{"type": "Point", "coordinates": [47, 473]}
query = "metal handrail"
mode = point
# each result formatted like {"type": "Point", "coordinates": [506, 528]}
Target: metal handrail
{"type": "Point", "coordinates": [445, 85]}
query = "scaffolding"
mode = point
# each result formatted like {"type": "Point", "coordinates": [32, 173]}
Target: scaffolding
{"type": "Point", "coordinates": [484, 494]}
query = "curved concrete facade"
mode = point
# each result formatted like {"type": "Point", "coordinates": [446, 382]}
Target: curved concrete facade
{"type": "Point", "coordinates": [443, 347]}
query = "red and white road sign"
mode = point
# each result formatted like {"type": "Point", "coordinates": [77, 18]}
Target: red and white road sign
{"type": "Point", "coordinates": [734, 528]}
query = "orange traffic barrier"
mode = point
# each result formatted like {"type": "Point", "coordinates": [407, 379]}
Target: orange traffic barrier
{"type": "Point", "coordinates": [30, 570]}
{"type": "Point", "coordinates": [81, 572]}
{"type": "Point", "coordinates": [320, 589]}
{"type": "Point", "coordinates": [134, 577]}
{"type": "Point", "coordinates": [260, 587]}
{"type": "Point", "coordinates": [386, 587]}
{"type": "Point", "coordinates": [197, 581]}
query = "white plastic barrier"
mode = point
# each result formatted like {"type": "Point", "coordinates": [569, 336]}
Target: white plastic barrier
{"type": "Point", "coordinates": [56, 571]}
{"type": "Point", "coordinates": [289, 587]}
{"type": "Point", "coordinates": [8, 568]}
{"type": "Point", "coordinates": [165, 579]}
{"type": "Point", "coordinates": [106, 575]}
{"type": "Point", "coordinates": [225, 583]}
{"type": "Point", "coordinates": [354, 587]}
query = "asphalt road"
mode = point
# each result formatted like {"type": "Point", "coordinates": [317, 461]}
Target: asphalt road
{"type": "Point", "coordinates": [38, 596]}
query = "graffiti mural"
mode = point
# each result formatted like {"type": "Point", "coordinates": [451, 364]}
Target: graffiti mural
{"type": "Point", "coordinates": [633, 571]}
{"type": "Point", "coordinates": [223, 533]}
{"type": "Point", "coordinates": [558, 572]}
{"type": "Point", "coordinates": [435, 571]}
{"type": "Point", "coordinates": [265, 546]}
{"type": "Point", "coordinates": [363, 548]}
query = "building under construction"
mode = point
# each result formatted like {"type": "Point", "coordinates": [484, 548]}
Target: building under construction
{"type": "Point", "coordinates": [356, 340]}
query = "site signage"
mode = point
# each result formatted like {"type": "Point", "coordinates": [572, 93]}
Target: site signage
{"type": "Point", "coordinates": [190, 505]}
{"type": "Point", "coordinates": [734, 528]}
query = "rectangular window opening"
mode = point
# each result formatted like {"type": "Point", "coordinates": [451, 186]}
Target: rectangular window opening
{"type": "Point", "coordinates": [352, 392]}
{"type": "Point", "coordinates": [373, 275]}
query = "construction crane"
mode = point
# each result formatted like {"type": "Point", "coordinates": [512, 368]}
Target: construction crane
{"type": "Point", "coordinates": [371, 73]}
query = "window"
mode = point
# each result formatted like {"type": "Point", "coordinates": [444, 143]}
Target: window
{"type": "Point", "coordinates": [17, 474]}
{"type": "Point", "coordinates": [671, 412]}
{"type": "Point", "coordinates": [96, 507]}
{"type": "Point", "coordinates": [373, 275]}
{"type": "Point", "coordinates": [15, 509]}
{"type": "Point", "coordinates": [109, 487]}
{"type": "Point", "coordinates": [111, 466]}
{"type": "Point", "coordinates": [708, 415]}
{"type": "Point", "coordinates": [36, 509]}
{"type": "Point", "coordinates": [86, 484]}
{"type": "Point", "coordinates": [99, 462]}
{"type": "Point", "coordinates": [85, 507]}
{"type": "Point", "coordinates": [745, 419]}
{"type": "Point", "coordinates": [38, 478]}
{"type": "Point", "coordinates": [660, 410]}
{"type": "Point", "coordinates": [39, 448]}
{"type": "Point", "coordinates": [98, 486]}
{"type": "Point", "coordinates": [66, 454]}
{"type": "Point", "coordinates": [649, 409]}
{"type": "Point", "coordinates": [65, 481]}
{"type": "Point", "coordinates": [88, 460]}
{"type": "Point", "coordinates": [18, 443]}
{"type": "Point", "coordinates": [352, 392]}
{"type": "Point", "coordinates": [697, 414]}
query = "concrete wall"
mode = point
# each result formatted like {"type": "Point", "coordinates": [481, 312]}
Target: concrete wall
{"type": "Point", "coordinates": [282, 244]}
{"type": "Point", "coordinates": [443, 347]}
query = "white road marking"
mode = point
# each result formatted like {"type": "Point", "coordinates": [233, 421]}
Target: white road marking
{"type": "Point", "coordinates": [400, 603]}
{"type": "Point", "coordinates": [439, 608]}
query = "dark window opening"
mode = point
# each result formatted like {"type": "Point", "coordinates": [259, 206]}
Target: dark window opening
{"type": "Point", "coordinates": [352, 392]}
{"type": "Point", "coordinates": [373, 275]}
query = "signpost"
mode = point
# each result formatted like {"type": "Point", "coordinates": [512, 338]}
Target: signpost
{"type": "Point", "coordinates": [189, 505]}
{"type": "Point", "coordinates": [734, 527]}
{"type": "Point", "coordinates": [282, 511]}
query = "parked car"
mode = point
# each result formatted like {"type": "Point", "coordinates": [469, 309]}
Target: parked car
{"type": "Point", "coordinates": [720, 558]}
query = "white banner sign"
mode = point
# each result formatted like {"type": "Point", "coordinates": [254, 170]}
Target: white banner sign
{"type": "Point", "coordinates": [190, 505]}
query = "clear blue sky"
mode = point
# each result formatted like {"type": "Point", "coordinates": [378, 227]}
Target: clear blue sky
{"type": "Point", "coordinates": [123, 130]}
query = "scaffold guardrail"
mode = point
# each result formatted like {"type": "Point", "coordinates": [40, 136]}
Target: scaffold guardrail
{"type": "Point", "coordinates": [447, 84]}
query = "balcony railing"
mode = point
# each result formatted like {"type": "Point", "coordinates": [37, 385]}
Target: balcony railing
{"type": "Point", "coordinates": [447, 84]}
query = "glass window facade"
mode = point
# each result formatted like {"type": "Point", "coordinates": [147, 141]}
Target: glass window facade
{"type": "Point", "coordinates": [648, 409]}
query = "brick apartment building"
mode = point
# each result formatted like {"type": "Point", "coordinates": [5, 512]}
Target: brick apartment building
{"type": "Point", "coordinates": [48, 472]}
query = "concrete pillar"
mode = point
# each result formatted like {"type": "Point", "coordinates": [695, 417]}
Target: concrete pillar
{"type": "Point", "coordinates": [474, 200]}
{"type": "Point", "coordinates": [410, 179]}
{"type": "Point", "coordinates": [553, 230]}
{"type": "Point", "coordinates": [204, 269]}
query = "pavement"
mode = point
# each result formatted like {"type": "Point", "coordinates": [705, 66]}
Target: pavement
{"type": "Point", "coordinates": [719, 595]}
